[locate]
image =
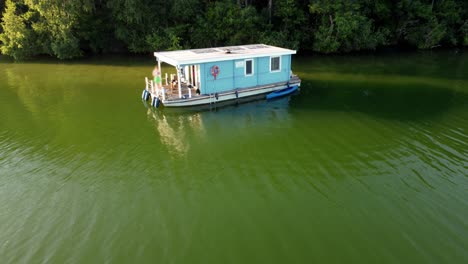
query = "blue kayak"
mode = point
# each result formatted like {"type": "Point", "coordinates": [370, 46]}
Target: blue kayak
{"type": "Point", "coordinates": [282, 92]}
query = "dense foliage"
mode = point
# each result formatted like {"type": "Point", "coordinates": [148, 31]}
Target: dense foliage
{"type": "Point", "coordinates": [71, 28]}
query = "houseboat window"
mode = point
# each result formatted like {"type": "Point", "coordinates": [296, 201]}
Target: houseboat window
{"type": "Point", "coordinates": [248, 67]}
{"type": "Point", "coordinates": [275, 64]}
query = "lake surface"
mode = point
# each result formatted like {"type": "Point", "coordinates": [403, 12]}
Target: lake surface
{"type": "Point", "coordinates": [367, 164]}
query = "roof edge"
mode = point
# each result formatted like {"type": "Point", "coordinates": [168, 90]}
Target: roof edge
{"type": "Point", "coordinates": [164, 56]}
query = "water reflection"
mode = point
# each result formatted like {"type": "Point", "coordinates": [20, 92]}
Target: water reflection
{"type": "Point", "coordinates": [442, 65]}
{"type": "Point", "coordinates": [179, 129]}
{"type": "Point", "coordinates": [177, 132]}
{"type": "Point", "coordinates": [398, 100]}
{"type": "Point", "coordinates": [411, 86]}
{"type": "Point", "coordinates": [345, 158]}
{"type": "Point", "coordinates": [36, 90]}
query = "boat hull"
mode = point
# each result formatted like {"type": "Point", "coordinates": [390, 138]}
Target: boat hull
{"type": "Point", "coordinates": [232, 96]}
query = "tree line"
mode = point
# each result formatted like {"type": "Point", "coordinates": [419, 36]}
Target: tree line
{"type": "Point", "coordinates": [71, 28]}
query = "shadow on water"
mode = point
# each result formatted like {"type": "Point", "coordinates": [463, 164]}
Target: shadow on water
{"type": "Point", "coordinates": [403, 102]}
{"type": "Point", "coordinates": [445, 64]}
{"type": "Point", "coordinates": [397, 86]}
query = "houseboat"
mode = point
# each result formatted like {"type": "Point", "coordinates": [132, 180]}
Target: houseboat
{"type": "Point", "coordinates": [224, 74]}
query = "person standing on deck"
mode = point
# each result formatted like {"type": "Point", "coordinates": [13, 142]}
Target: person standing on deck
{"type": "Point", "coordinates": [157, 77]}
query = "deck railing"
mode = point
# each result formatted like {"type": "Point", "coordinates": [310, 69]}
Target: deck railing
{"type": "Point", "coordinates": [161, 92]}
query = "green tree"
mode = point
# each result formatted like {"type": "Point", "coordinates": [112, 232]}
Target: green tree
{"type": "Point", "coordinates": [429, 24]}
{"type": "Point", "coordinates": [2, 8]}
{"type": "Point", "coordinates": [58, 20]}
{"type": "Point", "coordinates": [225, 23]}
{"type": "Point", "coordinates": [449, 14]}
{"type": "Point", "coordinates": [464, 32]}
{"type": "Point", "coordinates": [178, 32]}
{"type": "Point", "coordinates": [289, 25]}
{"type": "Point", "coordinates": [69, 28]}
{"type": "Point", "coordinates": [141, 24]}
{"type": "Point", "coordinates": [380, 12]}
{"type": "Point", "coordinates": [464, 28]}
{"type": "Point", "coordinates": [34, 27]}
{"type": "Point", "coordinates": [342, 26]}
{"type": "Point", "coordinates": [96, 31]}
{"type": "Point", "coordinates": [418, 25]}
{"type": "Point", "coordinates": [17, 39]}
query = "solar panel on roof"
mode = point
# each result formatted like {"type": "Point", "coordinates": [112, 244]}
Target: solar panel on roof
{"type": "Point", "coordinates": [201, 51]}
{"type": "Point", "coordinates": [261, 46]}
{"type": "Point", "coordinates": [233, 48]}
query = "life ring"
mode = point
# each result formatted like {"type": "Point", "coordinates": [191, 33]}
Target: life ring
{"type": "Point", "coordinates": [215, 71]}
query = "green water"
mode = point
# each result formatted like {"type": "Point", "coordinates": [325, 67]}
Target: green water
{"type": "Point", "coordinates": [367, 164]}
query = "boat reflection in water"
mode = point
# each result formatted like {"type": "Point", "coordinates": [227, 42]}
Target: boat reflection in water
{"type": "Point", "coordinates": [181, 129]}
{"type": "Point", "coordinates": [173, 130]}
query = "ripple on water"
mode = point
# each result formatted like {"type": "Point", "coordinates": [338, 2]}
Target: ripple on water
{"type": "Point", "coordinates": [357, 167]}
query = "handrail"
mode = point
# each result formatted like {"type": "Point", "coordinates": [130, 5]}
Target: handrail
{"type": "Point", "coordinates": [147, 83]}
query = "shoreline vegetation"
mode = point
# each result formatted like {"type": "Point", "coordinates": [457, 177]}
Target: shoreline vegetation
{"type": "Point", "coordinates": [75, 28]}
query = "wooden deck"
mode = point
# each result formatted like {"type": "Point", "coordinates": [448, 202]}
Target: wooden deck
{"type": "Point", "coordinates": [173, 92]}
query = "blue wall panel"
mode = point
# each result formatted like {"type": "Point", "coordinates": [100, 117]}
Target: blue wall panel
{"type": "Point", "coordinates": [232, 74]}
{"type": "Point", "coordinates": [242, 81]}
{"type": "Point", "coordinates": [224, 80]}
{"type": "Point", "coordinates": [267, 77]}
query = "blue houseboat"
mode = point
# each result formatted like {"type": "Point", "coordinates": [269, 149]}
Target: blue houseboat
{"type": "Point", "coordinates": [215, 75]}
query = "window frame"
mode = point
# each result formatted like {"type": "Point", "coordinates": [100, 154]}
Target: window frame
{"type": "Point", "coordinates": [252, 68]}
{"type": "Point", "coordinates": [279, 64]}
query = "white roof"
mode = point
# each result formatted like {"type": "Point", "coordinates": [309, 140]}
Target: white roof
{"type": "Point", "coordinates": [195, 56]}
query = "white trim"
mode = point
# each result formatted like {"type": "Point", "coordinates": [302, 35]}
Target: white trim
{"type": "Point", "coordinates": [184, 57]}
{"type": "Point", "coordinates": [199, 80]}
{"type": "Point", "coordinates": [279, 69]}
{"type": "Point", "coordinates": [252, 68]}
{"type": "Point", "coordinates": [165, 59]}
{"type": "Point", "coordinates": [186, 74]}
{"type": "Point", "coordinates": [179, 69]}
{"type": "Point", "coordinates": [174, 62]}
